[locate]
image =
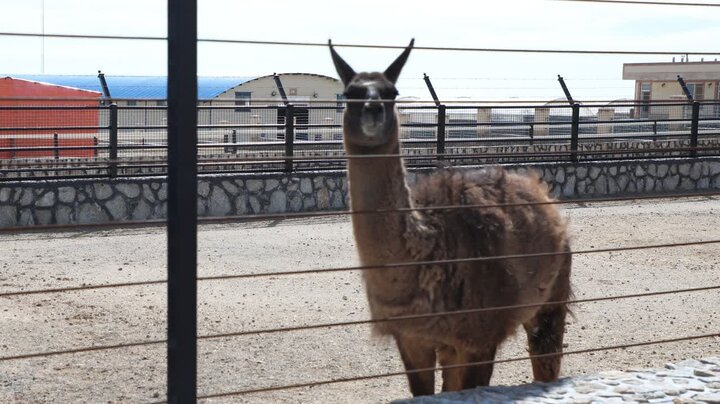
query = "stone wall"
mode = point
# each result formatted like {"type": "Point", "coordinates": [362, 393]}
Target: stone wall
{"type": "Point", "coordinates": [29, 203]}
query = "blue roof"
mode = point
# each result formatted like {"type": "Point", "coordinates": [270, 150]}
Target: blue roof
{"type": "Point", "coordinates": [140, 87]}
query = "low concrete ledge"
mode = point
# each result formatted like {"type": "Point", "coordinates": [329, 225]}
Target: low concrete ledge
{"type": "Point", "coordinates": [692, 381]}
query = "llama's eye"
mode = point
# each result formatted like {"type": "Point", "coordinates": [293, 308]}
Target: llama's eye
{"type": "Point", "coordinates": [355, 93]}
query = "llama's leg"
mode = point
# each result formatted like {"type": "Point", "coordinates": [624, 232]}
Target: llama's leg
{"type": "Point", "coordinates": [465, 377]}
{"type": "Point", "coordinates": [479, 375]}
{"type": "Point", "coordinates": [546, 330]}
{"type": "Point", "coordinates": [453, 377]}
{"type": "Point", "coordinates": [416, 355]}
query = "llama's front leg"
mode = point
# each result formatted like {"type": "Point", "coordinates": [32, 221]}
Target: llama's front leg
{"type": "Point", "coordinates": [459, 377]}
{"type": "Point", "coordinates": [416, 355]}
{"type": "Point", "coordinates": [545, 334]}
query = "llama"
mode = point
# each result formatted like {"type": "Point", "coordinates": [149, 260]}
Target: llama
{"type": "Point", "coordinates": [370, 127]}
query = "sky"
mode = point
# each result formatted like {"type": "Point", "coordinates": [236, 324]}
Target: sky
{"type": "Point", "coordinates": [530, 24]}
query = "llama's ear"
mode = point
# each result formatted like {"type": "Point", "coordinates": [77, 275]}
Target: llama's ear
{"type": "Point", "coordinates": [344, 70]}
{"type": "Point", "coordinates": [393, 71]}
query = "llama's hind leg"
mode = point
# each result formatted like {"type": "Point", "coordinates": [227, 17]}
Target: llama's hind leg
{"type": "Point", "coordinates": [546, 330]}
{"type": "Point", "coordinates": [416, 355]}
{"type": "Point", "coordinates": [545, 335]}
{"type": "Point", "coordinates": [465, 377]}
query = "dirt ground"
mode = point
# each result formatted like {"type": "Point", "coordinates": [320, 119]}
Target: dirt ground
{"type": "Point", "coordinates": [38, 323]}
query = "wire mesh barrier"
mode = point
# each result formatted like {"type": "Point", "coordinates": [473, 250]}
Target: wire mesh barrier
{"type": "Point", "coordinates": [109, 141]}
{"type": "Point", "coordinates": [181, 137]}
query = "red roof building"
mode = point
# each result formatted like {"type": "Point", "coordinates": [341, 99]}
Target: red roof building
{"type": "Point", "coordinates": [46, 116]}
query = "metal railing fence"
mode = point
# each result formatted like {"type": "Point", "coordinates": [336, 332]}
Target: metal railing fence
{"type": "Point", "coordinates": [116, 140]}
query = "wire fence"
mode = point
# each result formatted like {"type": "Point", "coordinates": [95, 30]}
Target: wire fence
{"type": "Point", "coordinates": [116, 140]}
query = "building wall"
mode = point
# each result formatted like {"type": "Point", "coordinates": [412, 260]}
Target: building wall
{"type": "Point", "coordinates": [11, 93]}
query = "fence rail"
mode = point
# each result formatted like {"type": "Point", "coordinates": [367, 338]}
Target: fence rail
{"type": "Point", "coordinates": [121, 140]}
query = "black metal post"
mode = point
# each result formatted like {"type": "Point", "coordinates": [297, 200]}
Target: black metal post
{"type": "Point", "coordinates": [531, 133]}
{"type": "Point", "coordinates": [280, 88]}
{"type": "Point", "coordinates": [289, 136]}
{"type": "Point", "coordinates": [112, 169]}
{"type": "Point", "coordinates": [56, 144]}
{"type": "Point", "coordinates": [441, 132]}
{"type": "Point", "coordinates": [430, 87]}
{"type": "Point", "coordinates": [565, 90]}
{"type": "Point", "coordinates": [574, 132]}
{"type": "Point", "coordinates": [182, 202]}
{"type": "Point", "coordinates": [694, 128]}
{"type": "Point", "coordinates": [685, 88]}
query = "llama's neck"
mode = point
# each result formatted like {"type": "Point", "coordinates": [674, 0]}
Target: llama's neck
{"type": "Point", "coordinates": [379, 184]}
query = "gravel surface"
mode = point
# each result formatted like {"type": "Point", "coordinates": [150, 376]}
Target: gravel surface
{"type": "Point", "coordinates": [46, 322]}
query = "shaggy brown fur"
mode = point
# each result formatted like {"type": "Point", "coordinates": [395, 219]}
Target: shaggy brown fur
{"type": "Point", "coordinates": [379, 183]}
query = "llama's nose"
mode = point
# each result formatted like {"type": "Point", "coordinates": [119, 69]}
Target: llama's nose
{"type": "Point", "coordinates": [373, 107]}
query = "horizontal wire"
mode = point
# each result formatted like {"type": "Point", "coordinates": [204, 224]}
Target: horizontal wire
{"type": "Point", "coordinates": [81, 350]}
{"type": "Point", "coordinates": [349, 323]}
{"type": "Point", "coordinates": [395, 265]}
{"type": "Point", "coordinates": [645, 2]}
{"type": "Point", "coordinates": [333, 101]}
{"type": "Point", "coordinates": [364, 46]}
{"type": "Point", "coordinates": [81, 288]}
{"type": "Point", "coordinates": [304, 215]}
{"type": "Point", "coordinates": [463, 365]}
{"type": "Point", "coordinates": [451, 313]}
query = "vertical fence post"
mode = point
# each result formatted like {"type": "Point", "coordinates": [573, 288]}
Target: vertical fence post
{"type": "Point", "coordinates": [112, 170]}
{"type": "Point", "coordinates": [56, 145]}
{"type": "Point", "coordinates": [289, 136]}
{"type": "Point", "coordinates": [182, 202]}
{"type": "Point", "coordinates": [694, 126]}
{"type": "Point", "coordinates": [574, 132]}
{"type": "Point", "coordinates": [441, 132]}
{"type": "Point", "coordinates": [531, 133]}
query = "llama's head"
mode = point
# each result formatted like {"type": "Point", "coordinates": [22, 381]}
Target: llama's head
{"type": "Point", "coordinates": [369, 119]}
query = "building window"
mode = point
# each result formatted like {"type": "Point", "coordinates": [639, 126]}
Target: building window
{"type": "Point", "coordinates": [131, 103]}
{"type": "Point", "coordinates": [645, 90]}
{"type": "Point", "coordinates": [161, 103]}
{"type": "Point", "coordinates": [340, 102]}
{"type": "Point", "coordinates": [697, 90]}
{"type": "Point", "coordinates": [242, 100]}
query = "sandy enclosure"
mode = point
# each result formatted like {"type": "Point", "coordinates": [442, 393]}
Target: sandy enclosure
{"type": "Point", "coordinates": [38, 323]}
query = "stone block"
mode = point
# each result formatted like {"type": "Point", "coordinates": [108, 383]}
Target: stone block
{"type": "Point", "coordinates": [203, 189]}
{"type": "Point", "coordinates": [142, 211]}
{"type": "Point", "coordinates": [581, 173]}
{"type": "Point", "coordinates": [129, 190]}
{"type": "Point", "coordinates": [66, 194]}
{"type": "Point", "coordinates": [594, 172]}
{"type": "Point", "coordinates": [8, 216]}
{"type": "Point", "coordinates": [670, 183]}
{"type": "Point", "coordinates": [254, 203]}
{"type": "Point", "coordinates": [63, 215]}
{"type": "Point", "coordinates": [271, 184]}
{"type": "Point", "coordinates": [241, 204]}
{"type": "Point", "coordinates": [278, 202]}
{"type": "Point", "coordinates": [323, 198]}
{"type": "Point", "coordinates": [43, 216]}
{"type": "Point", "coordinates": [568, 189]}
{"type": "Point", "coordinates": [662, 170]}
{"type": "Point", "coordinates": [102, 191]}
{"type": "Point", "coordinates": [26, 218]}
{"type": "Point", "coordinates": [5, 194]}
{"type": "Point", "coordinates": [162, 192]}
{"type": "Point", "coordinates": [91, 213]}
{"type": "Point", "coordinates": [27, 197]}
{"type": "Point", "coordinates": [148, 193]}
{"type": "Point", "coordinates": [254, 185]}
{"type": "Point", "coordinates": [219, 204]}
{"type": "Point", "coordinates": [306, 186]}
{"type": "Point", "coordinates": [117, 207]}
{"type": "Point", "coordinates": [231, 188]}
{"type": "Point", "coordinates": [47, 200]}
